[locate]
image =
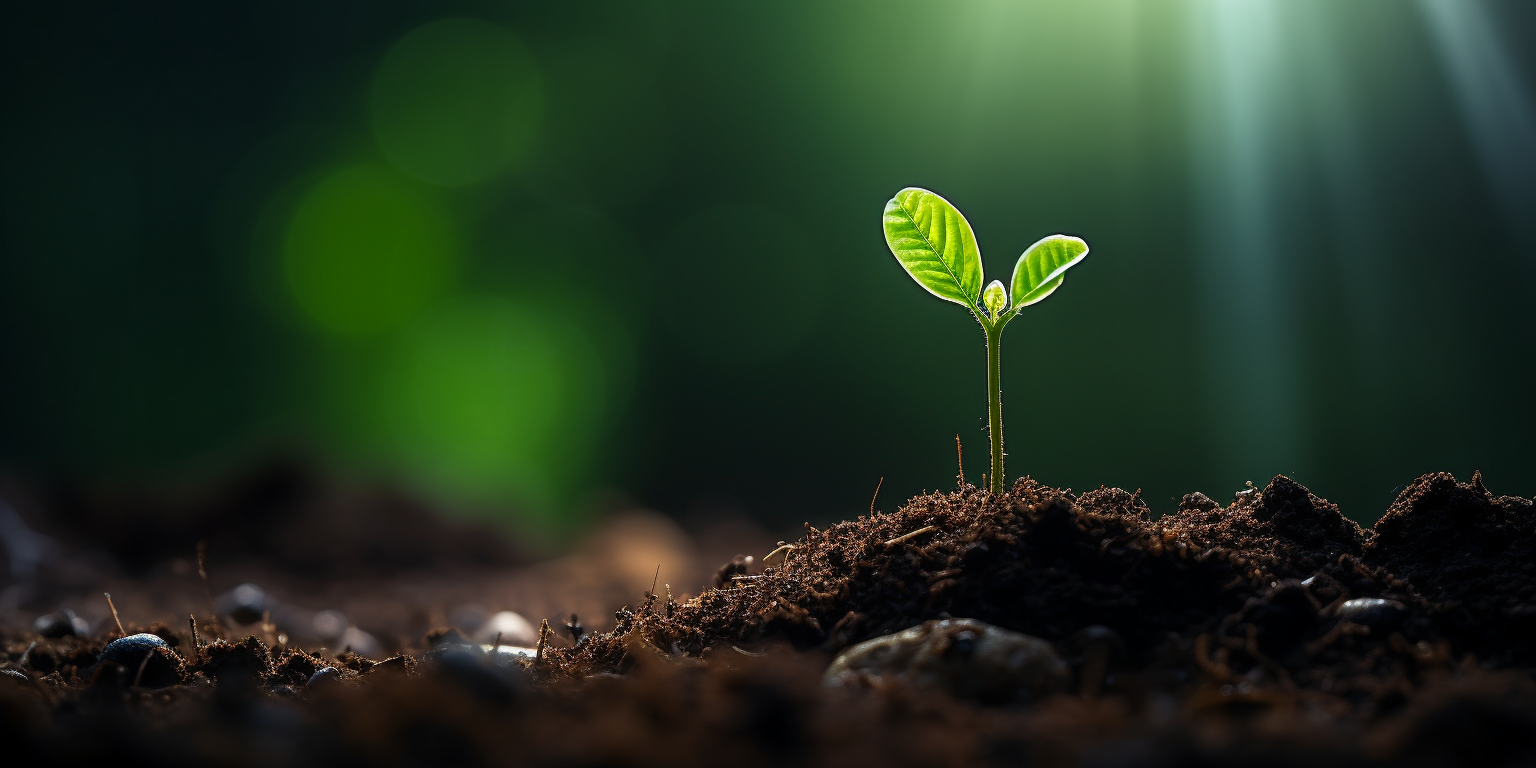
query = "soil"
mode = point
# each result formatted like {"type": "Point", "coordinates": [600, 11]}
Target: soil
{"type": "Point", "coordinates": [1269, 631]}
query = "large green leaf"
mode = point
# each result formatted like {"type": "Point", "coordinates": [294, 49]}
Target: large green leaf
{"type": "Point", "coordinates": [1043, 267]}
{"type": "Point", "coordinates": [934, 243]}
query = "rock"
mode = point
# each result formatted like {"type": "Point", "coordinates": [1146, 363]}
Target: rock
{"type": "Point", "coordinates": [513, 628]}
{"type": "Point", "coordinates": [323, 678]}
{"type": "Point", "coordinates": [1379, 614]}
{"type": "Point", "coordinates": [469, 668]}
{"type": "Point", "coordinates": [965, 658]}
{"type": "Point", "coordinates": [245, 604]}
{"type": "Point", "coordinates": [145, 661]}
{"type": "Point", "coordinates": [359, 642]}
{"type": "Point", "coordinates": [61, 623]}
{"type": "Point", "coordinates": [130, 651]}
{"type": "Point", "coordinates": [329, 625]}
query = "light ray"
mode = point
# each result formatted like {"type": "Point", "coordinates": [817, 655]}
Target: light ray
{"type": "Point", "coordinates": [1498, 111]}
{"type": "Point", "coordinates": [1250, 379]}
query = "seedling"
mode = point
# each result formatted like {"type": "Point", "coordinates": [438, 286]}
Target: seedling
{"type": "Point", "coordinates": [934, 243]}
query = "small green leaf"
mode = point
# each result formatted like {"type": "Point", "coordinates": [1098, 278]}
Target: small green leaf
{"type": "Point", "coordinates": [934, 243]}
{"type": "Point", "coordinates": [995, 298]}
{"type": "Point", "coordinates": [1043, 267]}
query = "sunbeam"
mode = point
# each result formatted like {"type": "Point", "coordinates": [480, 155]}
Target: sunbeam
{"type": "Point", "coordinates": [1495, 105]}
{"type": "Point", "coordinates": [1248, 346]}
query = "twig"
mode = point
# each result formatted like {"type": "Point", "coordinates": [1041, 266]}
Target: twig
{"type": "Point", "coordinates": [960, 460]}
{"type": "Point", "coordinates": [202, 571]}
{"type": "Point", "coordinates": [538, 653]}
{"type": "Point", "coordinates": [138, 676]}
{"type": "Point", "coordinates": [120, 631]}
{"type": "Point", "coordinates": [197, 644]}
{"type": "Point", "coordinates": [916, 533]}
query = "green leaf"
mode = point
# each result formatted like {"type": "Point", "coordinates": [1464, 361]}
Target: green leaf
{"type": "Point", "coordinates": [934, 243]}
{"type": "Point", "coordinates": [1043, 267]}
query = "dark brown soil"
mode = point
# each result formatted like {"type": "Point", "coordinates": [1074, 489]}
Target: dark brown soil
{"type": "Point", "coordinates": [1210, 636]}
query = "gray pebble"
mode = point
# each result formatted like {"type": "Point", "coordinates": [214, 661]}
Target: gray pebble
{"type": "Point", "coordinates": [245, 604]}
{"type": "Point", "coordinates": [1374, 612]}
{"type": "Point", "coordinates": [965, 658]}
{"type": "Point", "coordinates": [323, 678]}
{"type": "Point", "coordinates": [130, 651]}
{"type": "Point", "coordinates": [61, 623]}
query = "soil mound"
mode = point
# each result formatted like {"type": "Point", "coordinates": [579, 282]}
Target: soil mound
{"type": "Point", "coordinates": [1270, 631]}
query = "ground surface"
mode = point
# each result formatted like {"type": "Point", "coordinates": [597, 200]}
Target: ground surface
{"type": "Point", "coordinates": [1269, 631]}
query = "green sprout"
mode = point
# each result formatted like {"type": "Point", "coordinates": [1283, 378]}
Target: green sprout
{"type": "Point", "coordinates": [934, 243]}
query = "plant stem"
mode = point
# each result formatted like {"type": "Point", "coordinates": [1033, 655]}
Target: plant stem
{"type": "Point", "coordinates": [994, 333]}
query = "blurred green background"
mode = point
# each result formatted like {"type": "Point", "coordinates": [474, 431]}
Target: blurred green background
{"type": "Point", "coordinates": [521, 256]}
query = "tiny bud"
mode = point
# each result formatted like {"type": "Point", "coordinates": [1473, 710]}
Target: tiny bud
{"type": "Point", "coordinates": [994, 298]}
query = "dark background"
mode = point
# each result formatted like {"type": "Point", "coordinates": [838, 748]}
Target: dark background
{"type": "Point", "coordinates": [530, 258]}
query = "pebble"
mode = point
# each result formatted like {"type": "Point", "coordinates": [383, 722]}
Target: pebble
{"type": "Point", "coordinates": [513, 628]}
{"type": "Point", "coordinates": [130, 651]}
{"type": "Point", "coordinates": [329, 624]}
{"type": "Point", "coordinates": [61, 623]}
{"type": "Point", "coordinates": [1374, 612]}
{"type": "Point", "coordinates": [245, 604]}
{"type": "Point", "coordinates": [359, 642]}
{"type": "Point", "coordinates": [470, 669]}
{"type": "Point", "coordinates": [145, 660]}
{"type": "Point", "coordinates": [323, 678]}
{"type": "Point", "coordinates": [965, 658]}
{"type": "Point", "coordinates": [508, 654]}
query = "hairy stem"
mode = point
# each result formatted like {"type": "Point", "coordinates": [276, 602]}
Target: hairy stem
{"type": "Point", "coordinates": [995, 403]}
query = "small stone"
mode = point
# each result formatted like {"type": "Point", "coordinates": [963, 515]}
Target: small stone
{"type": "Point", "coordinates": [359, 642]}
{"type": "Point", "coordinates": [145, 659]}
{"type": "Point", "coordinates": [130, 651]}
{"type": "Point", "coordinates": [323, 678]}
{"type": "Point", "coordinates": [965, 658]}
{"type": "Point", "coordinates": [470, 669]}
{"type": "Point", "coordinates": [329, 624]}
{"type": "Point", "coordinates": [1379, 614]}
{"type": "Point", "coordinates": [245, 604]}
{"type": "Point", "coordinates": [61, 623]}
{"type": "Point", "coordinates": [513, 628]}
